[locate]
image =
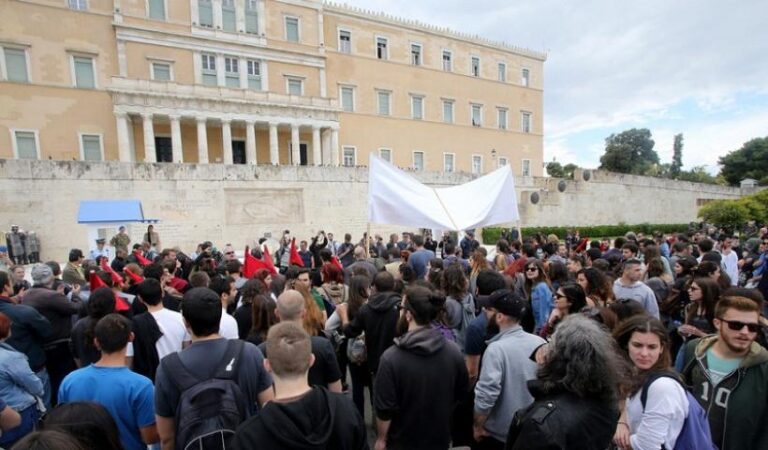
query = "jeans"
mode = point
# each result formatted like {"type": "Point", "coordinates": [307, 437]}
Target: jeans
{"type": "Point", "coordinates": [29, 418]}
{"type": "Point", "coordinates": [43, 375]}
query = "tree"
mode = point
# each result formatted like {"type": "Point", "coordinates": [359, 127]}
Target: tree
{"type": "Point", "coordinates": [750, 161]}
{"type": "Point", "coordinates": [725, 213]}
{"type": "Point", "coordinates": [677, 156]}
{"type": "Point", "coordinates": [698, 175]}
{"type": "Point", "coordinates": [630, 151]}
{"type": "Point", "coordinates": [554, 169]}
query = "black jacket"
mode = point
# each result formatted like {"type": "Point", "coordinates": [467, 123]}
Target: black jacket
{"type": "Point", "coordinates": [56, 308]}
{"type": "Point", "coordinates": [378, 319]}
{"type": "Point", "coordinates": [29, 329]}
{"type": "Point", "coordinates": [419, 383]}
{"type": "Point", "coordinates": [146, 333]}
{"type": "Point", "coordinates": [562, 420]}
{"type": "Point", "coordinates": [317, 420]}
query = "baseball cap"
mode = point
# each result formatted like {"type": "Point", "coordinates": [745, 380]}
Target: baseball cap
{"type": "Point", "coordinates": [504, 301]}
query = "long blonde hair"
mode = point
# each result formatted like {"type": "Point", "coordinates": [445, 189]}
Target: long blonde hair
{"type": "Point", "coordinates": [313, 319]}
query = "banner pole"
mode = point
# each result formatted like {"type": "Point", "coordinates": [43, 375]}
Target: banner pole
{"type": "Point", "coordinates": [367, 245]}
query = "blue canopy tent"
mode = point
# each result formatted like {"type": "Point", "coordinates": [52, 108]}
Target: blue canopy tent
{"type": "Point", "coordinates": [109, 215]}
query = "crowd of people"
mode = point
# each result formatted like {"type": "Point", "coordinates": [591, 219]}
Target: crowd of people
{"type": "Point", "coordinates": [539, 343]}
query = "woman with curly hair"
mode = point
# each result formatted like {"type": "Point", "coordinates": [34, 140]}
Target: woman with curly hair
{"type": "Point", "coordinates": [569, 299]}
{"type": "Point", "coordinates": [477, 262]}
{"type": "Point", "coordinates": [596, 285]}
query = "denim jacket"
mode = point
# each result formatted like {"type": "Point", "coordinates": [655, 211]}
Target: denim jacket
{"type": "Point", "coordinates": [18, 384]}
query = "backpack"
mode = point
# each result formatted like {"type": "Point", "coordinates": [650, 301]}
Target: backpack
{"type": "Point", "coordinates": [695, 434]}
{"type": "Point", "coordinates": [209, 411]}
{"type": "Point", "coordinates": [467, 316]}
{"type": "Point", "coordinates": [356, 351]}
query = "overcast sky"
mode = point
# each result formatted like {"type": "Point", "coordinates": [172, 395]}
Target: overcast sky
{"type": "Point", "coordinates": [697, 67]}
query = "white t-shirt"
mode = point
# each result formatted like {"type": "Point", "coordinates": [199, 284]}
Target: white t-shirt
{"type": "Point", "coordinates": [665, 411]}
{"type": "Point", "coordinates": [174, 332]}
{"type": "Point", "coordinates": [731, 265]}
{"type": "Point", "coordinates": [228, 326]}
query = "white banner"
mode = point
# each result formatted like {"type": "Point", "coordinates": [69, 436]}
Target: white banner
{"type": "Point", "coordinates": [396, 198]}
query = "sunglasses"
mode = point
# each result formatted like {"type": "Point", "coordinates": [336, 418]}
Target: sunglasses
{"type": "Point", "coordinates": [736, 325]}
{"type": "Point", "coordinates": [230, 253]}
{"type": "Point", "coordinates": [531, 269]}
{"type": "Point", "coordinates": [692, 288]}
{"type": "Point", "coordinates": [559, 295]}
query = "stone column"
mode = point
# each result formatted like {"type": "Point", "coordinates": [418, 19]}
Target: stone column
{"type": "Point", "coordinates": [250, 142]}
{"type": "Point", "coordinates": [295, 149]}
{"type": "Point", "coordinates": [178, 152]}
{"type": "Point", "coordinates": [149, 138]}
{"type": "Point", "coordinates": [317, 158]}
{"type": "Point", "coordinates": [274, 156]}
{"type": "Point", "coordinates": [123, 140]}
{"type": "Point", "coordinates": [226, 138]}
{"type": "Point", "coordinates": [202, 141]}
{"type": "Point", "coordinates": [335, 146]}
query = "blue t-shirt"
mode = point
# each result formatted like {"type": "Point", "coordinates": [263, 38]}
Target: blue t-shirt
{"type": "Point", "coordinates": [127, 396]}
{"type": "Point", "coordinates": [719, 368]}
{"type": "Point", "coordinates": [419, 260]}
{"type": "Point", "coordinates": [476, 335]}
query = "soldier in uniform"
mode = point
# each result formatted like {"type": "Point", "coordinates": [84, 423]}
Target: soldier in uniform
{"type": "Point", "coordinates": [15, 241]}
{"type": "Point", "coordinates": [121, 240]}
{"type": "Point", "coordinates": [33, 247]}
{"type": "Point", "coordinates": [100, 251]}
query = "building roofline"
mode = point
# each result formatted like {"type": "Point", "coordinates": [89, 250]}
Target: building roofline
{"type": "Point", "coordinates": [382, 17]}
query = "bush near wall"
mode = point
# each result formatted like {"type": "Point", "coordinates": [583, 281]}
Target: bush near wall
{"type": "Point", "coordinates": [491, 235]}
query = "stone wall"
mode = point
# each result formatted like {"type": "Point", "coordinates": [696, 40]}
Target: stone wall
{"type": "Point", "coordinates": [239, 204]}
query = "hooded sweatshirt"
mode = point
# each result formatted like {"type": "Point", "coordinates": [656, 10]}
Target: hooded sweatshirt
{"type": "Point", "coordinates": [378, 320]}
{"type": "Point", "coordinates": [737, 407]}
{"type": "Point", "coordinates": [317, 420]}
{"type": "Point", "coordinates": [419, 382]}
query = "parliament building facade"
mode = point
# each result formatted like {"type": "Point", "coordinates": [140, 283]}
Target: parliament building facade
{"type": "Point", "coordinates": [286, 82]}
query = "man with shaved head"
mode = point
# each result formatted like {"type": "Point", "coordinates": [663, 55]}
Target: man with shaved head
{"type": "Point", "coordinates": [325, 371]}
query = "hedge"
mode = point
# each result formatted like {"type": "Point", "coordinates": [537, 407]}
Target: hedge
{"type": "Point", "coordinates": [491, 235]}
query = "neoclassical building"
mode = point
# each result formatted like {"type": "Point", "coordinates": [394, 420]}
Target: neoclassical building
{"type": "Point", "coordinates": [296, 82]}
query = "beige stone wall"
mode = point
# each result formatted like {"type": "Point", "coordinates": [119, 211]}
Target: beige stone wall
{"type": "Point", "coordinates": [238, 204]}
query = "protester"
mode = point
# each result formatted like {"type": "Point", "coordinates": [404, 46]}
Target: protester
{"type": "Point", "coordinates": [596, 286]}
{"type": "Point", "coordinates": [575, 392]}
{"type": "Point", "coordinates": [630, 286]}
{"type": "Point", "coordinates": [420, 257]}
{"type": "Point", "coordinates": [700, 313]}
{"type": "Point", "coordinates": [539, 292]}
{"type": "Point", "coordinates": [569, 299]}
{"type": "Point", "coordinates": [100, 303]}
{"type": "Point", "coordinates": [501, 389]}
{"type": "Point", "coordinates": [459, 303]}
{"type": "Point", "coordinates": [88, 422]}
{"type": "Point", "coordinates": [419, 380]}
{"type": "Point", "coordinates": [301, 416]}
{"type": "Point", "coordinates": [224, 287]}
{"type": "Point", "coordinates": [109, 382]}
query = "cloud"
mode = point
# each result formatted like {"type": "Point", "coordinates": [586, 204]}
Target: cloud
{"type": "Point", "coordinates": [618, 65]}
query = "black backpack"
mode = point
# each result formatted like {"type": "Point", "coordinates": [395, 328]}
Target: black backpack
{"type": "Point", "coordinates": [209, 411]}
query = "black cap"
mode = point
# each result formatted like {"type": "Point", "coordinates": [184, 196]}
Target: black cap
{"type": "Point", "coordinates": [101, 240]}
{"type": "Point", "coordinates": [504, 301]}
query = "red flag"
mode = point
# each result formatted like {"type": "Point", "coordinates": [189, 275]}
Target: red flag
{"type": "Point", "coordinates": [141, 259]}
{"type": "Point", "coordinates": [295, 258]}
{"type": "Point", "coordinates": [136, 278]}
{"type": "Point", "coordinates": [96, 281]}
{"type": "Point", "coordinates": [252, 265]}
{"type": "Point", "coordinates": [116, 278]}
{"type": "Point", "coordinates": [335, 261]}
{"type": "Point", "coordinates": [266, 258]}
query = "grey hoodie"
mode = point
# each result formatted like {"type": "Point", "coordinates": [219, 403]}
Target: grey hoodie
{"type": "Point", "coordinates": [638, 292]}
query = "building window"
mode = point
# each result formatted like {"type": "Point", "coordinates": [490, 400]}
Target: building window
{"type": "Point", "coordinates": [228, 16]}
{"type": "Point", "coordinates": [475, 67]}
{"type": "Point", "coordinates": [345, 41]}
{"type": "Point", "coordinates": [209, 69]}
{"type": "Point", "coordinates": [85, 76]}
{"type": "Point", "coordinates": [252, 16]}
{"type": "Point", "coordinates": [25, 144]}
{"type": "Point", "coordinates": [385, 100]}
{"type": "Point", "coordinates": [503, 161]}
{"type": "Point", "coordinates": [502, 72]}
{"type": "Point", "coordinates": [502, 119]}
{"type": "Point", "coordinates": [385, 154]}
{"type": "Point", "coordinates": [416, 54]}
{"type": "Point", "coordinates": [526, 167]}
{"type": "Point", "coordinates": [231, 72]}
{"type": "Point", "coordinates": [381, 48]}
{"type": "Point", "coordinates": [347, 98]}
{"type": "Point", "coordinates": [15, 65]}
{"type": "Point", "coordinates": [292, 29]}
{"type": "Point", "coordinates": [526, 79]}
{"type": "Point", "coordinates": [477, 115]}
{"type": "Point", "coordinates": [477, 164]}
{"type": "Point", "coordinates": [205, 13]}
{"type": "Point", "coordinates": [418, 160]}
{"type": "Point", "coordinates": [90, 145]}
{"type": "Point", "coordinates": [447, 111]}
{"type": "Point", "coordinates": [417, 107]}
{"type": "Point", "coordinates": [161, 71]}
{"type": "Point", "coordinates": [350, 159]}
{"type": "Point", "coordinates": [80, 5]}
{"type": "Point", "coordinates": [449, 165]}
{"type": "Point", "coordinates": [525, 119]}
{"type": "Point", "coordinates": [295, 86]}
{"type": "Point", "coordinates": [447, 61]}
{"type": "Point", "coordinates": [254, 74]}
{"type": "Point", "coordinates": [156, 9]}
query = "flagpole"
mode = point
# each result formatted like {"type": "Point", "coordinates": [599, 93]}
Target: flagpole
{"type": "Point", "coordinates": [367, 239]}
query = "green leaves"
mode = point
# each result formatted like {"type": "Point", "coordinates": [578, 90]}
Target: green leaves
{"type": "Point", "coordinates": [630, 151]}
{"type": "Point", "coordinates": [750, 161]}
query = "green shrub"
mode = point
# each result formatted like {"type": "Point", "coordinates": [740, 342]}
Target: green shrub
{"type": "Point", "coordinates": [493, 234]}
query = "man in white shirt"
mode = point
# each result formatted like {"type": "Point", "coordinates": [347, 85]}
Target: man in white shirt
{"type": "Point", "coordinates": [730, 260]}
{"type": "Point", "coordinates": [225, 288]}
